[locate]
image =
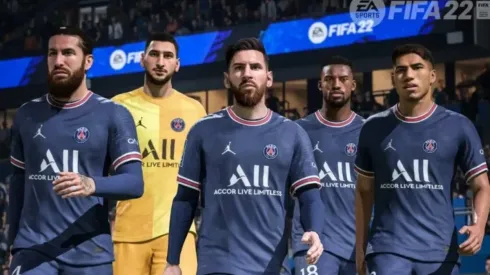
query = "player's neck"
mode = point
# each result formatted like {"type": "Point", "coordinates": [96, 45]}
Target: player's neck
{"type": "Point", "coordinates": [158, 91]}
{"type": "Point", "coordinates": [415, 109]}
{"type": "Point", "coordinates": [336, 114]}
{"type": "Point", "coordinates": [250, 113]}
{"type": "Point", "coordinates": [79, 93]}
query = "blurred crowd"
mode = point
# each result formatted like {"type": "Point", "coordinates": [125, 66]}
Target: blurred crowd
{"type": "Point", "coordinates": [127, 20]}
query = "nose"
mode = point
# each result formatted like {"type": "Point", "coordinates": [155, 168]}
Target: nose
{"type": "Point", "coordinates": [247, 72]}
{"type": "Point", "coordinates": [59, 60]}
{"type": "Point", "coordinates": [160, 60]}
{"type": "Point", "coordinates": [409, 74]}
{"type": "Point", "coordinates": [336, 84]}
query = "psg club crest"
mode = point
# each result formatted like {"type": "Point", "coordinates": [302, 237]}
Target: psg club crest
{"type": "Point", "coordinates": [270, 151]}
{"type": "Point", "coordinates": [178, 125]}
{"type": "Point", "coordinates": [350, 149]}
{"type": "Point", "coordinates": [430, 146]}
{"type": "Point", "coordinates": [81, 135]}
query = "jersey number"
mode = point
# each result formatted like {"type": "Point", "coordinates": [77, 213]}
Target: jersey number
{"type": "Point", "coordinates": [168, 150]}
{"type": "Point", "coordinates": [310, 270]}
{"type": "Point", "coordinates": [49, 161]}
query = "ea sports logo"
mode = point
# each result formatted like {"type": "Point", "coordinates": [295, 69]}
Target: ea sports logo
{"type": "Point", "coordinates": [317, 32]}
{"type": "Point", "coordinates": [117, 59]}
{"type": "Point", "coordinates": [362, 10]}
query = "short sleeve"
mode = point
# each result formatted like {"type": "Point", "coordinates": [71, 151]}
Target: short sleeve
{"type": "Point", "coordinates": [123, 140]}
{"type": "Point", "coordinates": [16, 146]}
{"type": "Point", "coordinates": [190, 171]}
{"type": "Point", "coordinates": [363, 163]}
{"type": "Point", "coordinates": [472, 159]}
{"type": "Point", "coordinates": [303, 169]}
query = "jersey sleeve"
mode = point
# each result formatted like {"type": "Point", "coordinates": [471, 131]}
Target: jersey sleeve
{"type": "Point", "coordinates": [363, 163]}
{"type": "Point", "coordinates": [123, 143]}
{"type": "Point", "coordinates": [16, 145]}
{"type": "Point", "coordinates": [303, 169]}
{"type": "Point", "coordinates": [190, 171]}
{"type": "Point", "coordinates": [472, 159]}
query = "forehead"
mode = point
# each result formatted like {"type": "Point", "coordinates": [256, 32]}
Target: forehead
{"type": "Point", "coordinates": [64, 42]}
{"type": "Point", "coordinates": [410, 59]}
{"type": "Point", "coordinates": [162, 46]}
{"type": "Point", "coordinates": [248, 57]}
{"type": "Point", "coordinates": [336, 70]}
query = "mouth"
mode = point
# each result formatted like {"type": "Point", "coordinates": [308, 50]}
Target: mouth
{"type": "Point", "coordinates": [410, 87]}
{"type": "Point", "coordinates": [247, 85]}
{"type": "Point", "coordinates": [59, 72]}
{"type": "Point", "coordinates": [337, 94]}
{"type": "Point", "coordinates": [160, 72]}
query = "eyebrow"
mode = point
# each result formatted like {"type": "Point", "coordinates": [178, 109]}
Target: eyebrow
{"type": "Point", "coordinates": [411, 65]}
{"type": "Point", "coordinates": [241, 64]}
{"type": "Point", "coordinates": [164, 51]}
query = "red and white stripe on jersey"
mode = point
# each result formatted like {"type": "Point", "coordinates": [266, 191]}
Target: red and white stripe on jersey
{"type": "Point", "coordinates": [414, 119]}
{"type": "Point", "coordinates": [68, 105]}
{"type": "Point", "coordinates": [363, 172]}
{"type": "Point", "coordinates": [126, 158]}
{"type": "Point", "coordinates": [304, 182]}
{"type": "Point", "coordinates": [334, 124]}
{"type": "Point", "coordinates": [17, 163]}
{"type": "Point", "coordinates": [188, 183]}
{"type": "Point", "coordinates": [475, 171]}
{"type": "Point", "coordinates": [247, 122]}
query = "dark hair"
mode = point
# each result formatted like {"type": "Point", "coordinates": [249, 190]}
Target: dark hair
{"type": "Point", "coordinates": [417, 49]}
{"type": "Point", "coordinates": [162, 37]}
{"type": "Point", "coordinates": [86, 43]}
{"type": "Point", "coordinates": [338, 60]}
{"type": "Point", "coordinates": [245, 44]}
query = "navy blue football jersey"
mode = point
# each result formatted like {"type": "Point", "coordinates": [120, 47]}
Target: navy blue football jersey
{"type": "Point", "coordinates": [413, 160]}
{"type": "Point", "coordinates": [246, 171]}
{"type": "Point", "coordinates": [93, 136]}
{"type": "Point", "coordinates": [335, 148]}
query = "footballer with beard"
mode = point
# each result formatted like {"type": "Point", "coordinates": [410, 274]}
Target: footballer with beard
{"type": "Point", "coordinates": [244, 162]}
{"type": "Point", "coordinates": [163, 118]}
{"type": "Point", "coordinates": [64, 146]}
{"type": "Point", "coordinates": [334, 132]}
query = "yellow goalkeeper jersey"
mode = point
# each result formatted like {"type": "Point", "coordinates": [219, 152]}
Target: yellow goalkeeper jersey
{"type": "Point", "coordinates": [162, 125]}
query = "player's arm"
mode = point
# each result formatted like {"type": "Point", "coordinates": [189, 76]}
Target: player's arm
{"type": "Point", "coordinates": [306, 184]}
{"type": "Point", "coordinates": [126, 180]}
{"type": "Point", "coordinates": [186, 200]}
{"type": "Point", "coordinates": [364, 193]}
{"type": "Point", "coordinates": [17, 182]}
{"type": "Point", "coordinates": [472, 161]}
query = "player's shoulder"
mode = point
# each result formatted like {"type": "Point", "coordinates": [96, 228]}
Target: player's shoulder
{"type": "Point", "coordinates": [378, 118]}
{"type": "Point", "coordinates": [453, 116]}
{"type": "Point", "coordinates": [286, 125]}
{"type": "Point", "coordinates": [110, 107]}
{"type": "Point", "coordinates": [209, 122]}
{"type": "Point", "coordinates": [187, 100]}
{"type": "Point", "coordinates": [31, 105]}
{"type": "Point", "coordinates": [124, 97]}
{"type": "Point", "coordinates": [358, 119]}
{"type": "Point", "coordinates": [307, 121]}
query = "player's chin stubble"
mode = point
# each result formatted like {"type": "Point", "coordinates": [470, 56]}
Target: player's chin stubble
{"type": "Point", "coordinates": [246, 98]}
{"type": "Point", "coordinates": [158, 82]}
{"type": "Point", "coordinates": [64, 88]}
{"type": "Point", "coordinates": [332, 103]}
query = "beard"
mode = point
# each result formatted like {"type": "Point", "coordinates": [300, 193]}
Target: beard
{"type": "Point", "coordinates": [247, 98]}
{"type": "Point", "coordinates": [65, 87]}
{"type": "Point", "coordinates": [336, 102]}
{"type": "Point", "coordinates": [158, 82]}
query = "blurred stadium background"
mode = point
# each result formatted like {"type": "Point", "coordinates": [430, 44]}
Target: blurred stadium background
{"type": "Point", "coordinates": [205, 27]}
